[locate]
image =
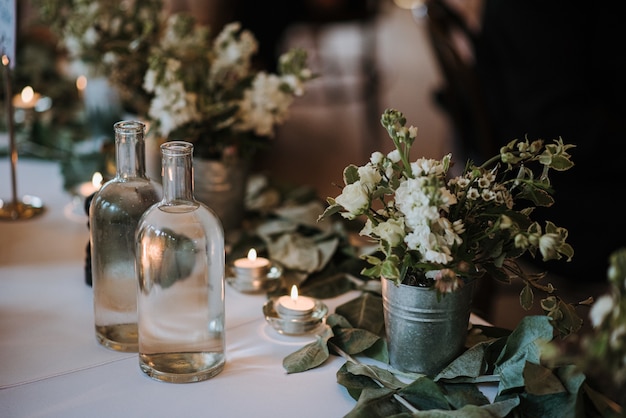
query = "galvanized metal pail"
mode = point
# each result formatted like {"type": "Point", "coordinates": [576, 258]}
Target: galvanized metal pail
{"type": "Point", "coordinates": [424, 334]}
{"type": "Point", "coordinates": [222, 187]}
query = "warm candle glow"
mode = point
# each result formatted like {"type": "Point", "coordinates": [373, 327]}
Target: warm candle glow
{"type": "Point", "coordinates": [81, 83]}
{"type": "Point", "coordinates": [27, 99]}
{"type": "Point", "coordinates": [252, 254]}
{"type": "Point", "coordinates": [27, 94]}
{"type": "Point", "coordinates": [96, 180]}
{"type": "Point", "coordinates": [294, 293]}
{"type": "Point", "coordinates": [5, 60]}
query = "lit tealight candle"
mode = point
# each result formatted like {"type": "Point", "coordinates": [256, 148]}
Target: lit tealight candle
{"type": "Point", "coordinates": [294, 306]}
{"type": "Point", "coordinates": [251, 267]}
{"type": "Point", "coordinates": [27, 99]}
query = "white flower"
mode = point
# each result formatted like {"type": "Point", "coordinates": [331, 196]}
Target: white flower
{"type": "Point", "coordinates": [390, 231]}
{"type": "Point", "coordinates": [355, 199]}
{"type": "Point", "coordinates": [377, 158]}
{"type": "Point", "coordinates": [600, 309]}
{"type": "Point", "coordinates": [394, 156]}
{"type": "Point", "coordinates": [369, 176]}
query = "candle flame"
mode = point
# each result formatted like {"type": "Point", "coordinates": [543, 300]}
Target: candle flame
{"type": "Point", "coordinates": [252, 254]}
{"type": "Point", "coordinates": [294, 293]}
{"type": "Point", "coordinates": [5, 60]}
{"type": "Point", "coordinates": [27, 94]}
{"type": "Point", "coordinates": [96, 180]}
{"type": "Point", "coordinates": [81, 83]}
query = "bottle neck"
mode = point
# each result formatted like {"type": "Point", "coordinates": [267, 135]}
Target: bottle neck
{"type": "Point", "coordinates": [130, 152]}
{"type": "Point", "coordinates": [177, 171]}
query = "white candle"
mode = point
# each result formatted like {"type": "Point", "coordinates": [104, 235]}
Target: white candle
{"type": "Point", "coordinates": [295, 306]}
{"type": "Point", "coordinates": [251, 267]}
{"type": "Point", "coordinates": [252, 261]}
{"type": "Point", "coordinates": [27, 99]}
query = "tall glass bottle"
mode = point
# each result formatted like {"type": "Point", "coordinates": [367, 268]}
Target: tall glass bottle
{"type": "Point", "coordinates": [181, 262]}
{"type": "Point", "coordinates": [113, 216]}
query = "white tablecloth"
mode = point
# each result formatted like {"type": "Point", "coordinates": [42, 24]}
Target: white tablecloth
{"type": "Point", "coordinates": [52, 366]}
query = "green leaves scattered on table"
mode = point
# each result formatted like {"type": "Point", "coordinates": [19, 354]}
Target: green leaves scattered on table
{"type": "Point", "coordinates": [526, 386]}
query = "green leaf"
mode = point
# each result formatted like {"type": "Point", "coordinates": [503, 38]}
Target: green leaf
{"type": "Point", "coordinates": [378, 351]}
{"type": "Point", "coordinates": [459, 395]}
{"type": "Point", "coordinates": [309, 356]}
{"type": "Point", "coordinates": [526, 297]}
{"type": "Point", "coordinates": [354, 340]}
{"type": "Point", "coordinates": [560, 404]}
{"type": "Point", "coordinates": [540, 380]}
{"type": "Point", "coordinates": [326, 287]}
{"type": "Point", "coordinates": [522, 345]}
{"type": "Point", "coordinates": [336, 320]}
{"type": "Point", "coordinates": [376, 403]}
{"type": "Point", "coordinates": [383, 376]}
{"type": "Point", "coordinates": [350, 174]}
{"type": "Point", "coordinates": [471, 363]}
{"type": "Point", "coordinates": [425, 394]}
{"type": "Point", "coordinates": [354, 383]}
{"type": "Point", "coordinates": [365, 312]}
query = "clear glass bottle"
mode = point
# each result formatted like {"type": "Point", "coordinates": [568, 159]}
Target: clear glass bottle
{"type": "Point", "coordinates": [181, 264]}
{"type": "Point", "coordinates": [113, 216]}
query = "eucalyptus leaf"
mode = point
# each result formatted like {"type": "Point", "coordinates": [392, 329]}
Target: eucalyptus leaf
{"type": "Point", "coordinates": [365, 312]}
{"type": "Point", "coordinates": [326, 250]}
{"type": "Point", "coordinates": [425, 394]}
{"type": "Point", "coordinates": [471, 364]}
{"type": "Point", "coordinates": [336, 320]}
{"type": "Point", "coordinates": [309, 356]}
{"type": "Point", "coordinates": [378, 351]}
{"type": "Point", "coordinates": [459, 395]}
{"type": "Point", "coordinates": [326, 287]}
{"type": "Point", "coordinates": [354, 383]}
{"type": "Point", "coordinates": [376, 403]}
{"type": "Point", "coordinates": [384, 377]}
{"type": "Point", "coordinates": [354, 340]}
{"type": "Point", "coordinates": [540, 380]}
{"type": "Point", "coordinates": [522, 345]}
{"type": "Point", "coordinates": [295, 252]}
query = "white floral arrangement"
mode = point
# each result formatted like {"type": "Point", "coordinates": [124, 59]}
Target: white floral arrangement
{"type": "Point", "coordinates": [169, 70]}
{"type": "Point", "coordinates": [207, 91]}
{"type": "Point", "coordinates": [436, 230]}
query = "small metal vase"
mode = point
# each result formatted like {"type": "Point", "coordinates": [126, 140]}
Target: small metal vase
{"type": "Point", "coordinates": [424, 334]}
{"type": "Point", "coordinates": [222, 187]}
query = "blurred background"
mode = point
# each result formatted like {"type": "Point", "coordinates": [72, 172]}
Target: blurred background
{"type": "Point", "coordinates": [369, 55]}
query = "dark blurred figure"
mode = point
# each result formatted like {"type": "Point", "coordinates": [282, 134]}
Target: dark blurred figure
{"type": "Point", "coordinates": [269, 20]}
{"type": "Point", "coordinates": [555, 68]}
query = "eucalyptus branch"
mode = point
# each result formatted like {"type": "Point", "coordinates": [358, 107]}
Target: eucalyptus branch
{"type": "Point", "coordinates": [351, 359]}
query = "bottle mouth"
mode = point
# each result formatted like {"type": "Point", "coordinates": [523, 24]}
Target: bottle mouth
{"type": "Point", "coordinates": [129, 127]}
{"type": "Point", "coordinates": [174, 148]}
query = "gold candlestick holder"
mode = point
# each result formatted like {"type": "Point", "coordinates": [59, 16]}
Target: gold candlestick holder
{"type": "Point", "coordinates": [17, 208]}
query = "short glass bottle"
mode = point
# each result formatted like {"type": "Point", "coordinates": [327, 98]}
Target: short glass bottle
{"type": "Point", "coordinates": [113, 216]}
{"type": "Point", "coordinates": [181, 264]}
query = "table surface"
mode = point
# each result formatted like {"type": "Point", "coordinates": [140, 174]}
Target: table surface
{"type": "Point", "coordinates": [52, 366]}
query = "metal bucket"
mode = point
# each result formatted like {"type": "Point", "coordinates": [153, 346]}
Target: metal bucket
{"type": "Point", "coordinates": [222, 187]}
{"type": "Point", "coordinates": [423, 334]}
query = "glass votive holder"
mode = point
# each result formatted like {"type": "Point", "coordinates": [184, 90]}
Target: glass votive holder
{"type": "Point", "coordinates": [254, 274]}
{"type": "Point", "coordinates": [286, 322]}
